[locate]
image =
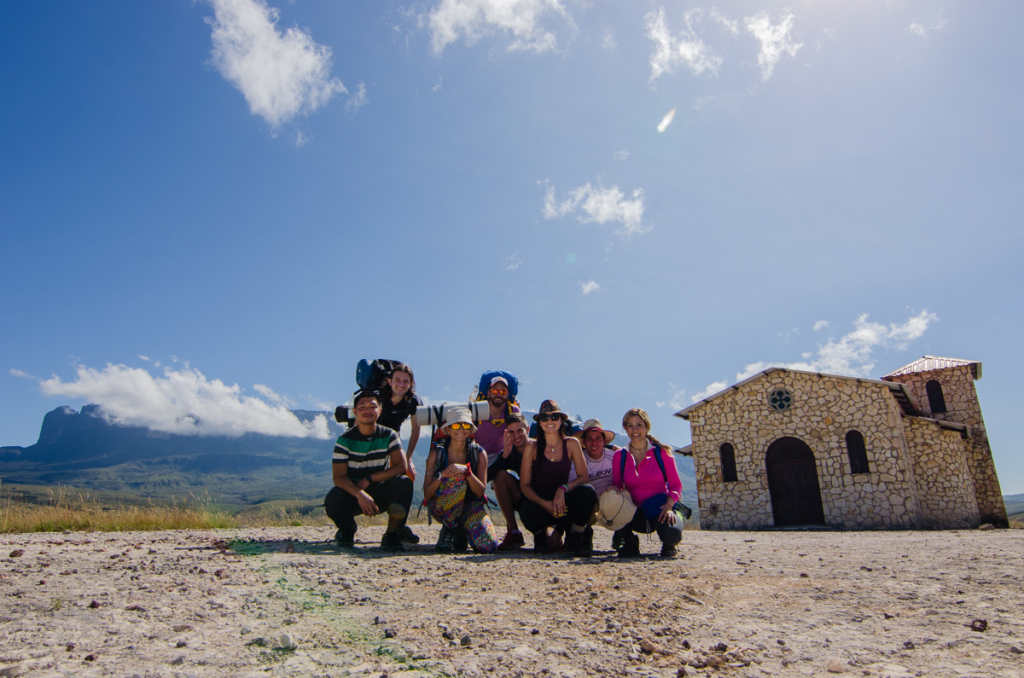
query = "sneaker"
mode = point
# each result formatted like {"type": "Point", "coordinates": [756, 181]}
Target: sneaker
{"type": "Point", "coordinates": [392, 542]}
{"type": "Point", "coordinates": [445, 541]}
{"type": "Point", "coordinates": [512, 540]}
{"type": "Point", "coordinates": [668, 551]}
{"type": "Point", "coordinates": [407, 536]}
{"type": "Point", "coordinates": [618, 540]}
{"type": "Point", "coordinates": [345, 537]}
{"type": "Point", "coordinates": [630, 547]}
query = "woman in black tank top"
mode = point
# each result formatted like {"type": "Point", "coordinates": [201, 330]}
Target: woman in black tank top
{"type": "Point", "coordinates": [552, 506]}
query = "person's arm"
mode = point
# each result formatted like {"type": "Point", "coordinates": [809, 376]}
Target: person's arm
{"type": "Point", "coordinates": [526, 477]}
{"type": "Point", "coordinates": [414, 437]}
{"type": "Point", "coordinates": [344, 483]}
{"type": "Point", "coordinates": [430, 483]}
{"type": "Point", "coordinates": [617, 480]}
{"type": "Point", "coordinates": [398, 464]}
{"type": "Point", "coordinates": [579, 464]}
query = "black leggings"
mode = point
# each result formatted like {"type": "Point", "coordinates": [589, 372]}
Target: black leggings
{"type": "Point", "coordinates": [579, 504]}
{"type": "Point", "coordinates": [393, 496]}
{"type": "Point", "coordinates": [670, 535]}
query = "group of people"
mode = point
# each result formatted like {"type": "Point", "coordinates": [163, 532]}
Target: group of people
{"type": "Point", "coordinates": [560, 484]}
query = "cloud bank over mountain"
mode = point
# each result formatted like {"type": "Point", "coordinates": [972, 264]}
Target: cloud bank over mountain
{"type": "Point", "coordinates": [184, 402]}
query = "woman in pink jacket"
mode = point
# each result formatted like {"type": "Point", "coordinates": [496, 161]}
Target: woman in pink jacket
{"type": "Point", "coordinates": [654, 487]}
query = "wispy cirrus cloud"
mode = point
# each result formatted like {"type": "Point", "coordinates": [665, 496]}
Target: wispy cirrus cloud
{"type": "Point", "coordinates": [686, 49]}
{"type": "Point", "coordinates": [776, 39]}
{"type": "Point", "coordinates": [472, 20]}
{"type": "Point", "coordinates": [21, 374]}
{"type": "Point", "coordinates": [281, 75]}
{"type": "Point", "coordinates": [851, 355]}
{"type": "Point", "coordinates": [184, 402]}
{"type": "Point", "coordinates": [588, 287]}
{"type": "Point", "coordinates": [598, 205]}
{"type": "Point", "coordinates": [922, 30]}
{"type": "Point", "coordinates": [513, 261]}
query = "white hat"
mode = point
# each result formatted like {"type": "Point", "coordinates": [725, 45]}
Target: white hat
{"type": "Point", "coordinates": [495, 380]}
{"type": "Point", "coordinates": [616, 509]}
{"type": "Point", "coordinates": [458, 414]}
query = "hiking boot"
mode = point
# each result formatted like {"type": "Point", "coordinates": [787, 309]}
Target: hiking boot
{"type": "Point", "coordinates": [583, 544]}
{"type": "Point", "coordinates": [345, 537]}
{"type": "Point", "coordinates": [445, 540]}
{"type": "Point", "coordinates": [618, 540]}
{"type": "Point", "coordinates": [630, 546]}
{"type": "Point", "coordinates": [392, 542]}
{"type": "Point", "coordinates": [668, 551]}
{"type": "Point", "coordinates": [540, 542]}
{"type": "Point", "coordinates": [460, 544]}
{"type": "Point", "coordinates": [512, 540]}
{"type": "Point", "coordinates": [407, 535]}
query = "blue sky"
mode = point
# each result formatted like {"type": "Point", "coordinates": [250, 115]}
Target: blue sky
{"type": "Point", "coordinates": [217, 208]}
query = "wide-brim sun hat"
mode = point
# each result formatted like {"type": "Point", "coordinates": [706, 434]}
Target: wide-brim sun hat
{"type": "Point", "coordinates": [595, 425]}
{"type": "Point", "coordinates": [615, 509]}
{"type": "Point", "coordinates": [456, 415]}
{"type": "Point", "coordinates": [550, 407]}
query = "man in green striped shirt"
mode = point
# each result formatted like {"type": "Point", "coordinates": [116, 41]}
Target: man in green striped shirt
{"type": "Point", "coordinates": [369, 473]}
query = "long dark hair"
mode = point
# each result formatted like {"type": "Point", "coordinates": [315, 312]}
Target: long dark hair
{"type": "Point", "coordinates": [385, 390]}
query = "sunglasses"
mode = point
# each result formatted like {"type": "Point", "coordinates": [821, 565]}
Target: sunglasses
{"type": "Point", "coordinates": [549, 417]}
{"type": "Point", "coordinates": [499, 391]}
{"type": "Point", "coordinates": [460, 426]}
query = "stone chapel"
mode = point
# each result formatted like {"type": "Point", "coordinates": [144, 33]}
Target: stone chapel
{"type": "Point", "coordinates": [790, 448]}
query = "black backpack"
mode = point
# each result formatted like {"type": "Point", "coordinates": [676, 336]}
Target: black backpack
{"type": "Point", "coordinates": [371, 374]}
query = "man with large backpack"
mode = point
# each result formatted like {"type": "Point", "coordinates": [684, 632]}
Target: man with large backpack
{"type": "Point", "coordinates": [499, 389]}
{"type": "Point", "coordinates": [369, 476]}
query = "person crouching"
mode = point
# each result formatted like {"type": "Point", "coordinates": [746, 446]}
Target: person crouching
{"type": "Point", "coordinates": [454, 485]}
{"type": "Point", "coordinates": [552, 504]}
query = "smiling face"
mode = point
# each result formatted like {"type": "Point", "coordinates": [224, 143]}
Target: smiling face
{"type": "Point", "coordinates": [518, 431]}
{"type": "Point", "coordinates": [400, 383]}
{"type": "Point", "coordinates": [593, 442]}
{"type": "Point", "coordinates": [497, 396]}
{"type": "Point", "coordinates": [367, 410]}
{"type": "Point", "coordinates": [636, 429]}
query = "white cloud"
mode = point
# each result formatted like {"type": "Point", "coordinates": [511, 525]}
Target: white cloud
{"type": "Point", "coordinates": [474, 19]}
{"type": "Point", "coordinates": [281, 75]}
{"type": "Point", "coordinates": [621, 155]}
{"type": "Point", "coordinates": [711, 389]}
{"type": "Point", "coordinates": [440, 81]}
{"type": "Point", "coordinates": [687, 49]}
{"type": "Point", "coordinates": [675, 399]}
{"type": "Point", "coordinates": [300, 139]}
{"type": "Point", "coordinates": [183, 402]}
{"type": "Point", "coordinates": [922, 31]}
{"type": "Point", "coordinates": [21, 374]}
{"type": "Point", "coordinates": [667, 120]}
{"type": "Point", "coordinates": [775, 39]}
{"type": "Point", "coordinates": [513, 261]}
{"type": "Point", "coordinates": [730, 25]}
{"type": "Point", "coordinates": [850, 355]}
{"type": "Point", "coordinates": [821, 324]}
{"type": "Point", "coordinates": [588, 287]}
{"type": "Point", "coordinates": [599, 205]}
{"type": "Point", "coordinates": [357, 100]}
{"type": "Point", "coordinates": [608, 41]}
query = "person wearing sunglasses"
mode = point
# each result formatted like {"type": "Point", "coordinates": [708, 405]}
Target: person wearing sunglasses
{"type": "Point", "coordinates": [553, 505]}
{"type": "Point", "coordinates": [490, 434]}
{"type": "Point", "coordinates": [454, 485]}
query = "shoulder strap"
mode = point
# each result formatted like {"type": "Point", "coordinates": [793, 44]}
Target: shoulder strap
{"type": "Point", "coordinates": [441, 460]}
{"type": "Point", "coordinates": [661, 464]}
{"type": "Point", "coordinates": [622, 466]}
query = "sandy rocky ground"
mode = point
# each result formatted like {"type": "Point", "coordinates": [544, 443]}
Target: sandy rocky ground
{"type": "Point", "coordinates": [286, 602]}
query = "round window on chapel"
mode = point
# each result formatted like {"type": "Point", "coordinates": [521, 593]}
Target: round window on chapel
{"type": "Point", "coordinates": [780, 399]}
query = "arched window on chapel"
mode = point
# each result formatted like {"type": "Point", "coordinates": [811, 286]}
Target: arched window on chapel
{"type": "Point", "coordinates": [728, 456]}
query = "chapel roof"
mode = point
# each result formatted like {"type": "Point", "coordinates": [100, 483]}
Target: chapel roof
{"type": "Point", "coordinates": [933, 362]}
{"type": "Point", "coordinates": [899, 391]}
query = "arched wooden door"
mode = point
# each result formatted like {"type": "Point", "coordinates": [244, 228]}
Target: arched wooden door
{"type": "Point", "coordinates": [793, 483]}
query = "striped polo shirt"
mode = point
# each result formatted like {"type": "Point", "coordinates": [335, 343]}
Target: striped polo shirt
{"type": "Point", "coordinates": [366, 454]}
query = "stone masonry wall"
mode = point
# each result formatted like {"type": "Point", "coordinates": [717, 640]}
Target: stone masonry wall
{"type": "Point", "coordinates": [945, 488]}
{"type": "Point", "coordinates": [824, 409]}
{"type": "Point", "coordinates": [963, 407]}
